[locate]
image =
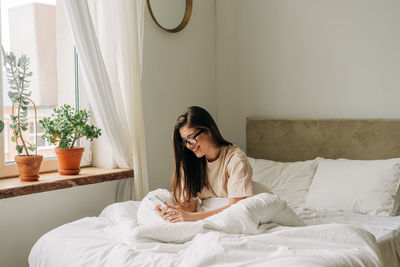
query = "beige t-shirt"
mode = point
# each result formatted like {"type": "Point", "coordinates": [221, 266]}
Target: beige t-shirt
{"type": "Point", "coordinates": [230, 175]}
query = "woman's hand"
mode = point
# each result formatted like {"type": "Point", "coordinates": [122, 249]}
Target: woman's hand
{"type": "Point", "coordinates": [175, 214]}
{"type": "Point", "coordinates": [179, 214]}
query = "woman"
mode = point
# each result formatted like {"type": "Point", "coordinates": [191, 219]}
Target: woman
{"type": "Point", "coordinates": [206, 165]}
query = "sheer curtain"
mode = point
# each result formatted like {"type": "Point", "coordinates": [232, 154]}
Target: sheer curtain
{"type": "Point", "coordinates": [109, 42]}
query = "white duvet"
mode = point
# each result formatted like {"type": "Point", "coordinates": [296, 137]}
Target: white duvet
{"type": "Point", "coordinates": [257, 231]}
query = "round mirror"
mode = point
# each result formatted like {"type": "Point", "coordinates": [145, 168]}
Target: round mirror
{"type": "Point", "coordinates": [170, 15]}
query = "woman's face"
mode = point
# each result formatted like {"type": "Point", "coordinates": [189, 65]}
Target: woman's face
{"type": "Point", "coordinates": [205, 143]}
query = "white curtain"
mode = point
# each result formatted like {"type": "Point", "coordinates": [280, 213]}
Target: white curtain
{"type": "Point", "coordinates": [109, 42]}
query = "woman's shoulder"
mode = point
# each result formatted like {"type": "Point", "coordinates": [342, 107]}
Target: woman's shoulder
{"type": "Point", "coordinates": [236, 160]}
{"type": "Point", "coordinates": [233, 151]}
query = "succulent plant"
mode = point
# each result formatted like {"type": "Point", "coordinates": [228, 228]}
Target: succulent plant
{"type": "Point", "coordinates": [66, 125]}
{"type": "Point", "coordinates": [18, 75]}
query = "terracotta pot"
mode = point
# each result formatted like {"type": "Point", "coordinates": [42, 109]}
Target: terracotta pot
{"type": "Point", "coordinates": [69, 160]}
{"type": "Point", "coordinates": [28, 167]}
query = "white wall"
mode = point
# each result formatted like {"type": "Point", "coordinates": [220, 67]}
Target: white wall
{"type": "Point", "coordinates": [24, 219]}
{"type": "Point", "coordinates": [179, 71]}
{"type": "Point", "coordinates": [306, 59]}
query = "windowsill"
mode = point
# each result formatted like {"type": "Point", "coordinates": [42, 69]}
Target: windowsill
{"type": "Point", "coordinates": [13, 187]}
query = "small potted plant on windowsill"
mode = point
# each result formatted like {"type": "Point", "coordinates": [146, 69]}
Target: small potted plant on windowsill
{"type": "Point", "coordinates": [18, 74]}
{"type": "Point", "coordinates": [64, 128]}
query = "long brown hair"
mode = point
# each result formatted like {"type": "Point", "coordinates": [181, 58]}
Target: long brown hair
{"type": "Point", "coordinates": [190, 174]}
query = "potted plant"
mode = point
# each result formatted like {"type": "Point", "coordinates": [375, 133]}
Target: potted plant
{"type": "Point", "coordinates": [65, 126]}
{"type": "Point", "coordinates": [18, 74]}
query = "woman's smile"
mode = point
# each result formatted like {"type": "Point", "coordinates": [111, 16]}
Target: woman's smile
{"type": "Point", "coordinates": [195, 149]}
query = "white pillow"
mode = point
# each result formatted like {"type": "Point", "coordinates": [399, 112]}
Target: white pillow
{"type": "Point", "coordinates": [364, 186]}
{"type": "Point", "coordinates": [289, 180]}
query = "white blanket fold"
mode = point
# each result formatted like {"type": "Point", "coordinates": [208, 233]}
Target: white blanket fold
{"type": "Point", "coordinates": [253, 215]}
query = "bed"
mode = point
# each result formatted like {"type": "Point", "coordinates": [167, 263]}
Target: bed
{"type": "Point", "coordinates": [297, 218]}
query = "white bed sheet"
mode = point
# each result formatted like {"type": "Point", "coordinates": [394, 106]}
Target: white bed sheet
{"type": "Point", "coordinates": [386, 229]}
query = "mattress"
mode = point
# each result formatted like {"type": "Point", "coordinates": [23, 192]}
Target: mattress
{"type": "Point", "coordinates": [385, 229]}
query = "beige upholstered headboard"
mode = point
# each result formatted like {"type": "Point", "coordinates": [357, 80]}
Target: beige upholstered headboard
{"type": "Point", "coordinates": [302, 139]}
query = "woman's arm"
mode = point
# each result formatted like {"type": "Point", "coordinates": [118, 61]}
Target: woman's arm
{"type": "Point", "coordinates": [187, 206]}
{"type": "Point", "coordinates": [204, 214]}
{"type": "Point", "coordinates": [181, 215]}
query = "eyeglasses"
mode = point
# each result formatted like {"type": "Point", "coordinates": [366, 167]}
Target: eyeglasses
{"type": "Point", "coordinates": [191, 140]}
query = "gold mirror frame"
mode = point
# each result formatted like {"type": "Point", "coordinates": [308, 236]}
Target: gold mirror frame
{"type": "Point", "coordinates": [184, 22]}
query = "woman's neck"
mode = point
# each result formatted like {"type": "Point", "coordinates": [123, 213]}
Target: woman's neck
{"type": "Point", "coordinates": [213, 154]}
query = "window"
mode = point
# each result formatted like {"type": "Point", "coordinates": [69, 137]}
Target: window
{"type": "Point", "coordinates": [43, 146]}
{"type": "Point", "coordinates": [38, 29]}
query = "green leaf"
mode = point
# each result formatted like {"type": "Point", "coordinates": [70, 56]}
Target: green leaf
{"type": "Point", "coordinates": [12, 94]}
{"type": "Point", "coordinates": [32, 148]}
{"type": "Point", "coordinates": [13, 126]}
{"type": "Point", "coordinates": [13, 139]}
{"type": "Point", "coordinates": [19, 148]}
